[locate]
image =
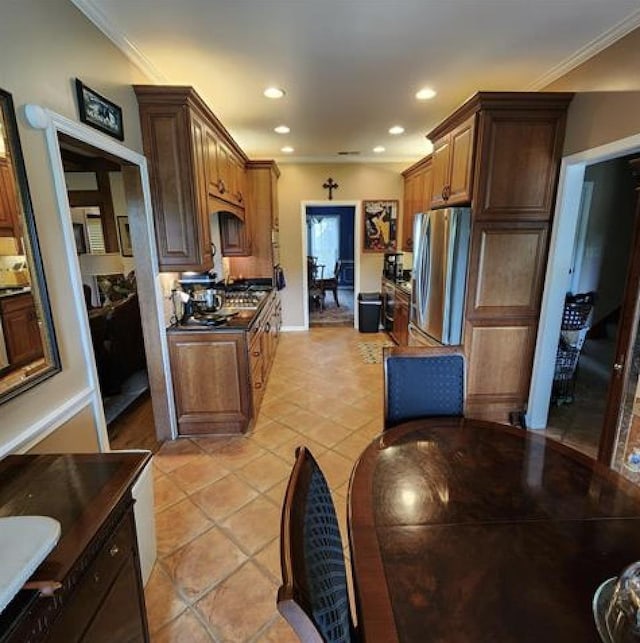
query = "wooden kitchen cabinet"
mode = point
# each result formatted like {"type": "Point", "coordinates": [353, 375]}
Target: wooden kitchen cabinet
{"type": "Point", "coordinates": [96, 561]}
{"type": "Point", "coordinates": [219, 376]}
{"type": "Point", "coordinates": [186, 146]}
{"type": "Point", "coordinates": [500, 154]}
{"type": "Point", "coordinates": [417, 198]}
{"type": "Point", "coordinates": [400, 331]}
{"type": "Point", "coordinates": [235, 237]}
{"type": "Point", "coordinates": [21, 329]}
{"type": "Point", "coordinates": [452, 167]}
{"type": "Point", "coordinates": [261, 223]}
{"type": "Point", "coordinates": [9, 212]}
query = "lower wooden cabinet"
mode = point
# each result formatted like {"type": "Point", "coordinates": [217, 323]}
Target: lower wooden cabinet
{"type": "Point", "coordinates": [96, 561]}
{"type": "Point", "coordinates": [219, 376]}
{"type": "Point", "coordinates": [21, 329]}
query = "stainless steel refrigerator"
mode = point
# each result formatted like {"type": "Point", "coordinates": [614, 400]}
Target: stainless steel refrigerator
{"type": "Point", "coordinates": [440, 259]}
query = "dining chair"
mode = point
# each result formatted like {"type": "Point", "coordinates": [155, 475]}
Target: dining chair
{"type": "Point", "coordinates": [313, 597]}
{"type": "Point", "coordinates": [422, 381]}
{"type": "Point", "coordinates": [331, 283]}
{"type": "Point", "coordinates": [314, 277]}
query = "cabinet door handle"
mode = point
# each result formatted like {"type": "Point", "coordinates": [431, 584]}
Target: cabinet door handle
{"type": "Point", "coordinates": [239, 197]}
{"type": "Point", "coordinates": [114, 551]}
{"type": "Point", "coordinates": [258, 385]}
{"type": "Point", "coordinates": [221, 186]}
{"type": "Point", "coordinates": [256, 353]}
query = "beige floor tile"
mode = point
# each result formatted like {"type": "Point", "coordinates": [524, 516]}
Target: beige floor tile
{"type": "Point", "coordinates": [237, 453]}
{"type": "Point", "coordinates": [351, 417]}
{"type": "Point", "coordinates": [253, 526]}
{"type": "Point", "coordinates": [278, 409]}
{"type": "Point", "coordinates": [353, 446]}
{"type": "Point", "coordinates": [276, 493]}
{"type": "Point", "coordinates": [273, 434]}
{"type": "Point", "coordinates": [336, 468]}
{"type": "Point", "coordinates": [288, 451]}
{"type": "Point", "coordinates": [265, 471]}
{"type": "Point", "coordinates": [302, 421]}
{"type": "Point", "coordinates": [161, 598]}
{"type": "Point", "coordinates": [278, 632]}
{"type": "Point", "coordinates": [224, 497]}
{"type": "Point", "coordinates": [175, 453]}
{"type": "Point", "coordinates": [269, 559]}
{"type": "Point", "coordinates": [240, 606]}
{"type": "Point", "coordinates": [187, 628]}
{"type": "Point", "coordinates": [179, 524]}
{"type": "Point", "coordinates": [199, 472]}
{"type": "Point", "coordinates": [165, 492]}
{"type": "Point", "coordinates": [328, 433]}
{"type": "Point", "coordinates": [202, 563]}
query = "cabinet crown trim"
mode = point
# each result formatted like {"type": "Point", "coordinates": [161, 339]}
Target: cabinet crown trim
{"type": "Point", "coordinates": [501, 100]}
{"type": "Point", "coordinates": [421, 165]}
{"type": "Point", "coordinates": [178, 95]}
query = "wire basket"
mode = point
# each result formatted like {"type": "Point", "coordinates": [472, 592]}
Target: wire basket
{"type": "Point", "coordinates": [577, 309]}
{"type": "Point", "coordinates": [564, 376]}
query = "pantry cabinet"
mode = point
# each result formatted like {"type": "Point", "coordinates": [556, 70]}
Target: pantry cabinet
{"type": "Point", "coordinates": [195, 168]}
{"type": "Point", "coordinates": [500, 153]}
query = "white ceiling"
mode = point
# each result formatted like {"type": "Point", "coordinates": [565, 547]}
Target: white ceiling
{"type": "Point", "coordinates": [351, 67]}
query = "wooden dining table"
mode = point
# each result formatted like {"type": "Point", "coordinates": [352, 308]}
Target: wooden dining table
{"type": "Point", "coordinates": [466, 530]}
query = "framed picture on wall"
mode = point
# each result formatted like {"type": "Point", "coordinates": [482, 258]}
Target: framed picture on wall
{"type": "Point", "coordinates": [99, 112]}
{"type": "Point", "coordinates": [125, 237]}
{"type": "Point", "coordinates": [380, 226]}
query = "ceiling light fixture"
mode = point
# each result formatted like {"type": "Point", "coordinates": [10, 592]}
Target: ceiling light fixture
{"type": "Point", "coordinates": [287, 149]}
{"type": "Point", "coordinates": [396, 129]}
{"type": "Point", "coordinates": [426, 93]}
{"type": "Point", "coordinates": [378, 149]}
{"type": "Point", "coordinates": [282, 129]}
{"type": "Point", "coordinates": [273, 92]}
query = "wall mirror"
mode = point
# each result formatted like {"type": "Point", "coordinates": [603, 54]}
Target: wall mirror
{"type": "Point", "coordinates": [28, 349]}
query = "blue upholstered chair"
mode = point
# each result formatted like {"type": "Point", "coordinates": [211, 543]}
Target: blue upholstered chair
{"type": "Point", "coordinates": [313, 597]}
{"type": "Point", "coordinates": [422, 382]}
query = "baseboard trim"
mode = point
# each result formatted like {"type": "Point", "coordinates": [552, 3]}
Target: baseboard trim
{"type": "Point", "coordinates": [293, 329]}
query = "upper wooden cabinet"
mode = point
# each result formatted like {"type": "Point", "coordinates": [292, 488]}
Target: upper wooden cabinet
{"type": "Point", "coordinates": [9, 213]}
{"type": "Point", "coordinates": [452, 169]}
{"type": "Point", "coordinates": [417, 198]}
{"type": "Point", "coordinates": [261, 224]}
{"type": "Point", "coordinates": [195, 168]}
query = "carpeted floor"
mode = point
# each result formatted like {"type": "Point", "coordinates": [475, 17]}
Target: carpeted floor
{"type": "Point", "coordinates": [371, 351]}
{"type": "Point", "coordinates": [332, 315]}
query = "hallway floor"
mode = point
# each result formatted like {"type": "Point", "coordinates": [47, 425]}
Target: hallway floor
{"type": "Point", "coordinates": [218, 500]}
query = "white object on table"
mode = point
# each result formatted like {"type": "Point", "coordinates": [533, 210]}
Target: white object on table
{"type": "Point", "coordinates": [25, 541]}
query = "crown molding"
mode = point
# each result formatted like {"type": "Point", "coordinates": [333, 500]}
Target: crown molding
{"type": "Point", "coordinates": [332, 160]}
{"type": "Point", "coordinates": [97, 17]}
{"type": "Point", "coordinates": [604, 40]}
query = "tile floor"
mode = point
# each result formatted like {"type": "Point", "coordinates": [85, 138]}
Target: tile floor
{"type": "Point", "coordinates": [218, 500]}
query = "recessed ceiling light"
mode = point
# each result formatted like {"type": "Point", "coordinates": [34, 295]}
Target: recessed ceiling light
{"type": "Point", "coordinates": [287, 149]}
{"type": "Point", "coordinates": [426, 93]}
{"type": "Point", "coordinates": [273, 92]}
{"type": "Point", "coordinates": [396, 129]}
{"type": "Point", "coordinates": [281, 129]}
{"type": "Point", "coordinates": [378, 149]}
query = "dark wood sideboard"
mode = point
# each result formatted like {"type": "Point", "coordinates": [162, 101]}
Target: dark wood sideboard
{"type": "Point", "coordinates": [96, 560]}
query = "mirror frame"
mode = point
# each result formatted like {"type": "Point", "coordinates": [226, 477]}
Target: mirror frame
{"type": "Point", "coordinates": [31, 249]}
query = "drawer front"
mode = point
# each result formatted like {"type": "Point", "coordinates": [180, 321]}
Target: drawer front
{"type": "Point", "coordinates": [95, 583]}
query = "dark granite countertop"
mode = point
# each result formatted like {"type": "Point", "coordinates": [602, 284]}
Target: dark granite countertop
{"type": "Point", "coordinates": [12, 291]}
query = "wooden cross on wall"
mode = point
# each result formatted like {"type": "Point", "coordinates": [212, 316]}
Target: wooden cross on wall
{"type": "Point", "coordinates": [330, 185]}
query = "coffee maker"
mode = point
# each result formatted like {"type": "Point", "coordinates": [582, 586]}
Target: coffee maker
{"type": "Point", "coordinates": [392, 266]}
{"type": "Point", "coordinates": [205, 295]}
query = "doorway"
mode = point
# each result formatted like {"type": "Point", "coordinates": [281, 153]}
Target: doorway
{"type": "Point", "coordinates": [329, 255]}
{"type": "Point", "coordinates": [595, 287]}
{"type": "Point", "coordinates": [99, 214]}
{"type": "Point", "coordinates": [598, 261]}
{"type": "Point", "coordinates": [141, 229]}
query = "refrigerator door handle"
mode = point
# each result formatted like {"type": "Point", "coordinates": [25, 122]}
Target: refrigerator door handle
{"type": "Point", "coordinates": [425, 271]}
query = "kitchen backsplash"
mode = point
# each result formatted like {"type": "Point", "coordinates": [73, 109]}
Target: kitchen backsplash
{"type": "Point", "coordinates": [13, 271]}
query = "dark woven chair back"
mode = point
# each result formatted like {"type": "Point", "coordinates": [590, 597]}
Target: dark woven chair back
{"type": "Point", "coordinates": [313, 596]}
{"type": "Point", "coordinates": [422, 382]}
